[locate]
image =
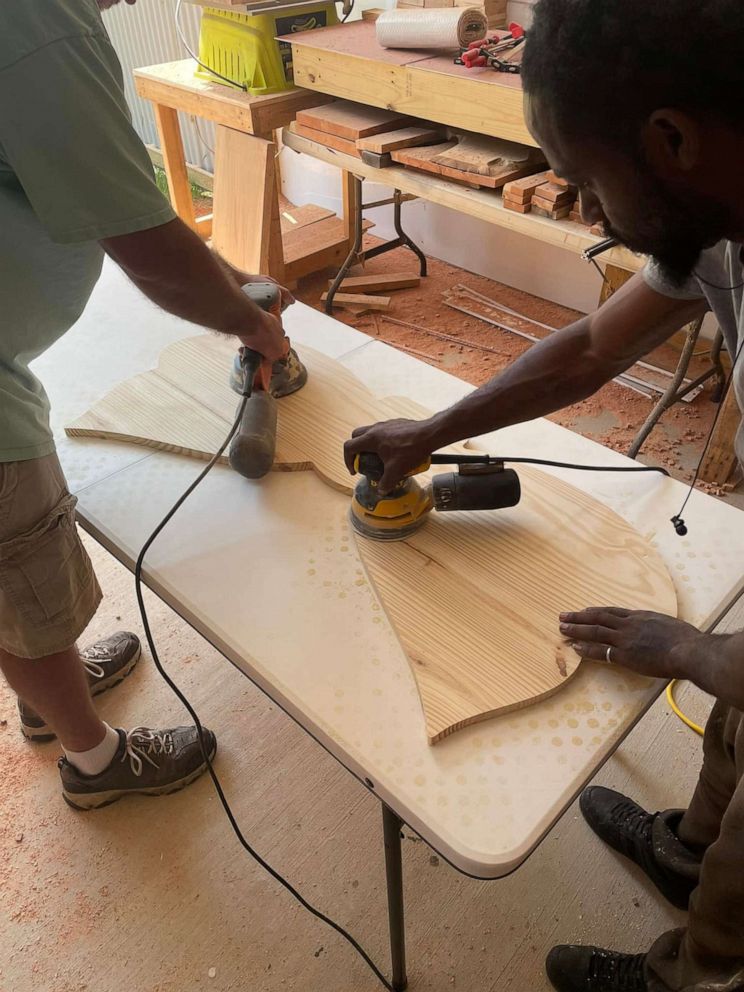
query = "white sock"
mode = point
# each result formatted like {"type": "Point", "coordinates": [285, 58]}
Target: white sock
{"type": "Point", "coordinates": [94, 761]}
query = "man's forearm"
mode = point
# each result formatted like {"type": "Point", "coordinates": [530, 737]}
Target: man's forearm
{"type": "Point", "coordinates": [715, 663]}
{"type": "Point", "coordinates": [553, 374]}
{"type": "Point", "coordinates": [174, 268]}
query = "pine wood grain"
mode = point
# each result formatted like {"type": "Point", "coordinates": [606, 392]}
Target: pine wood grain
{"type": "Point", "coordinates": [474, 597]}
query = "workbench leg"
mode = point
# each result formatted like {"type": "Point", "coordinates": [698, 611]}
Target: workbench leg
{"type": "Point", "coordinates": [392, 826]}
{"type": "Point", "coordinates": [352, 201]}
{"type": "Point", "coordinates": [403, 237]}
{"type": "Point", "coordinates": [174, 163]}
{"type": "Point", "coordinates": [351, 189]}
{"type": "Point", "coordinates": [245, 223]}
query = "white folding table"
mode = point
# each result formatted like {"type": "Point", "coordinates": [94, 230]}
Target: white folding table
{"type": "Point", "coordinates": [268, 573]}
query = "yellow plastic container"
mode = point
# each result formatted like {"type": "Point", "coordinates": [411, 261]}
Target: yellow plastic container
{"type": "Point", "coordinates": [243, 47]}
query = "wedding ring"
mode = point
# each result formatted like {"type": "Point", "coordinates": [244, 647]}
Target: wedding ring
{"type": "Point", "coordinates": [608, 655]}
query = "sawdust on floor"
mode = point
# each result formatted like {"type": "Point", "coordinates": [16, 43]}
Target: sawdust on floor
{"type": "Point", "coordinates": [612, 416]}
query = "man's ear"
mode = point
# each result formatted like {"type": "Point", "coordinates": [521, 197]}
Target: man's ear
{"type": "Point", "coordinates": [672, 142]}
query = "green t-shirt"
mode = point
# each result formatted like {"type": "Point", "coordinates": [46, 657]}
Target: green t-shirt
{"type": "Point", "coordinates": [72, 171]}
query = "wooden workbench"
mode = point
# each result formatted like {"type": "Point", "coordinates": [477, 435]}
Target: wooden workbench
{"type": "Point", "coordinates": [245, 225]}
{"type": "Point", "coordinates": [346, 61]}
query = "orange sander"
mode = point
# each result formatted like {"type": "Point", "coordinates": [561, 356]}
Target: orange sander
{"type": "Point", "coordinates": [253, 447]}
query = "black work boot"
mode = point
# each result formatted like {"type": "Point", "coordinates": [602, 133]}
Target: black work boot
{"type": "Point", "coordinates": [629, 829]}
{"type": "Point", "coordinates": [576, 968]}
{"type": "Point", "coordinates": [107, 662]}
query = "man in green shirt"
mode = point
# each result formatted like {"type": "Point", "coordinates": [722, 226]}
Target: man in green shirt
{"type": "Point", "coordinates": [75, 183]}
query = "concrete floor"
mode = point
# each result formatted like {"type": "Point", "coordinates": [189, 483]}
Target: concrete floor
{"type": "Point", "coordinates": [157, 896]}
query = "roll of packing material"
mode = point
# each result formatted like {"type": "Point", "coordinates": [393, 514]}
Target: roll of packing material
{"type": "Point", "coordinates": [437, 27]}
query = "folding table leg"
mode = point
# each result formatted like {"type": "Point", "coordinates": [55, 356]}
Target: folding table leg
{"type": "Point", "coordinates": [391, 826]}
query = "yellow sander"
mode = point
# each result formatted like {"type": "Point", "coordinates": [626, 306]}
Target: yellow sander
{"type": "Point", "coordinates": [480, 483]}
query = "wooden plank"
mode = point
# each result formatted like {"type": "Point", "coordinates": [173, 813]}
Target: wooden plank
{"type": "Point", "coordinates": [720, 458]}
{"type": "Point", "coordinates": [523, 189]}
{"type": "Point", "coordinates": [174, 163]}
{"type": "Point", "coordinates": [345, 145]}
{"type": "Point", "coordinates": [473, 597]}
{"type": "Point", "coordinates": [379, 283]}
{"type": "Point", "coordinates": [372, 13]}
{"type": "Point", "coordinates": [482, 204]}
{"type": "Point", "coordinates": [350, 120]}
{"type": "Point", "coordinates": [352, 204]}
{"type": "Point", "coordinates": [175, 85]}
{"type": "Point", "coordinates": [245, 198]}
{"type": "Point", "coordinates": [553, 193]}
{"type": "Point", "coordinates": [429, 158]}
{"type": "Point", "coordinates": [315, 247]}
{"type": "Point", "coordinates": [405, 137]}
{"type": "Point", "coordinates": [489, 156]}
{"type": "Point", "coordinates": [359, 300]}
{"type": "Point", "coordinates": [293, 218]}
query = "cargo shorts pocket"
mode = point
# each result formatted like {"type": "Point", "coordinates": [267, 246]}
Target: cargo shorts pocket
{"type": "Point", "coordinates": [45, 571]}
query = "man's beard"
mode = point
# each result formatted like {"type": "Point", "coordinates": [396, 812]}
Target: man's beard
{"type": "Point", "coordinates": [676, 228]}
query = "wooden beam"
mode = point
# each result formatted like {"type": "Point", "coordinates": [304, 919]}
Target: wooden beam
{"type": "Point", "coordinates": [174, 163]}
{"type": "Point", "coordinates": [246, 224]}
{"type": "Point", "coordinates": [176, 85]}
{"type": "Point", "coordinates": [720, 457]}
{"type": "Point", "coordinates": [360, 300]}
{"type": "Point", "coordinates": [378, 283]}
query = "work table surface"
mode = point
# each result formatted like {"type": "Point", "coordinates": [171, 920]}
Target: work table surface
{"type": "Point", "coordinates": [268, 572]}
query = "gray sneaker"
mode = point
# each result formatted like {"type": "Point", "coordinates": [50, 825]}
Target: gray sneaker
{"type": "Point", "coordinates": [147, 763]}
{"type": "Point", "coordinates": [107, 663]}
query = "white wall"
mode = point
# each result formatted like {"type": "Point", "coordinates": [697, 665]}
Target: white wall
{"type": "Point", "coordinates": [474, 245]}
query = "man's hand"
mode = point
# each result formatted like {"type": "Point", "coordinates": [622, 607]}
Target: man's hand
{"type": "Point", "coordinates": [266, 337]}
{"type": "Point", "coordinates": [649, 643]}
{"type": "Point", "coordinates": [401, 444]}
{"type": "Point", "coordinates": [243, 277]}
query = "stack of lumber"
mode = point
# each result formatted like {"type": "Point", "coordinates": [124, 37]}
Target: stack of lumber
{"type": "Point", "coordinates": [381, 137]}
{"type": "Point", "coordinates": [494, 10]}
{"type": "Point", "coordinates": [474, 160]}
{"type": "Point", "coordinates": [359, 293]}
{"type": "Point", "coordinates": [546, 195]}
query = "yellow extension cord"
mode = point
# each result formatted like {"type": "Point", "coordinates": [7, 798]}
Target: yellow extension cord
{"type": "Point", "coordinates": [673, 703]}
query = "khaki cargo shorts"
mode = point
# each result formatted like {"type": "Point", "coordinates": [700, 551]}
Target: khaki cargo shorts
{"type": "Point", "coordinates": [48, 591]}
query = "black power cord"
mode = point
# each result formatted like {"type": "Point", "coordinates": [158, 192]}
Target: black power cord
{"type": "Point", "coordinates": [182, 37]}
{"type": "Point", "coordinates": [197, 722]}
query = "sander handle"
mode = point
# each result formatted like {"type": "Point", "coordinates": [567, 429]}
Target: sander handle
{"type": "Point", "coordinates": [267, 296]}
